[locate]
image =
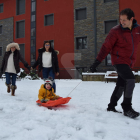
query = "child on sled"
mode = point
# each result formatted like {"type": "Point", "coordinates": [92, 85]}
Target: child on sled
{"type": "Point", "coordinates": [46, 92]}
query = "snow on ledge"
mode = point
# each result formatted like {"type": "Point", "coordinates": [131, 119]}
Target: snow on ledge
{"type": "Point", "coordinates": [96, 73]}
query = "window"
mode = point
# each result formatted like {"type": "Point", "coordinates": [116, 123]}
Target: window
{"type": "Point", "coordinates": [108, 60]}
{"type": "Point", "coordinates": [109, 25]}
{"type": "Point", "coordinates": [33, 6]}
{"type": "Point", "coordinates": [32, 49]}
{"type": "Point", "coordinates": [32, 57]}
{"type": "Point", "coordinates": [32, 18]}
{"type": "Point", "coordinates": [0, 51]}
{"type": "Point", "coordinates": [20, 29]}
{"type": "Point", "coordinates": [49, 19]}
{"type": "Point", "coordinates": [32, 42]}
{"type": "Point", "coordinates": [20, 7]}
{"type": "Point", "coordinates": [81, 14]}
{"type": "Point", "coordinates": [33, 32]}
{"type": "Point", "coordinates": [22, 50]}
{"type": "Point", "coordinates": [81, 43]}
{"type": "Point", "coordinates": [0, 29]}
{"type": "Point", "coordinates": [109, 0]}
{"type": "Point", "coordinates": [1, 8]}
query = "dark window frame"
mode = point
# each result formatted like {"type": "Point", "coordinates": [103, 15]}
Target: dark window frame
{"type": "Point", "coordinates": [80, 9]}
{"type": "Point", "coordinates": [45, 19]}
{"type": "Point", "coordinates": [1, 4]}
{"type": "Point", "coordinates": [82, 42]}
{"type": "Point", "coordinates": [1, 51]}
{"type": "Point", "coordinates": [16, 29]}
{"type": "Point", "coordinates": [17, 10]}
{"type": "Point", "coordinates": [1, 29]}
{"type": "Point", "coordinates": [108, 21]}
{"type": "Point", "coordinates": [109, 1]}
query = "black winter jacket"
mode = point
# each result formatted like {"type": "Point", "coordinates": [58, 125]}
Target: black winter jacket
{"type": "Point", "coordinates": [54, 60]}
{"type": "Point", "coordinates": [17, 58]}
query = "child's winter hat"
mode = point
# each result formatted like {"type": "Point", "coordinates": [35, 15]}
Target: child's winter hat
{"type": "Point", "coordinates": [48, 81]}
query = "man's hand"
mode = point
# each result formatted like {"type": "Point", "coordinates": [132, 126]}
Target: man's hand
{"type": "Point", "coordinates": [93, 69]}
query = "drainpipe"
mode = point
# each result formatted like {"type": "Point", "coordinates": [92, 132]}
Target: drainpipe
{"type": "Point", "coordinates": [95, 31]}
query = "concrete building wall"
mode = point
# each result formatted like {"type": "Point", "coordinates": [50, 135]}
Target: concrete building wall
{"type": "Point", "coordinates": [7, 34]}
{"type": "Point", "coordinates": [104, 12]}
{"type": "Point", "coordinates": [84, 57]}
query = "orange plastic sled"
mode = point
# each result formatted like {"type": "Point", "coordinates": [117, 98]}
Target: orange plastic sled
{"type": "Point", "coordinates": [53, 103]}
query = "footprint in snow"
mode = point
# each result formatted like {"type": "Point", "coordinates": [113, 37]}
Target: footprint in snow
{"type": "Point", "coordinates": [99, 134]}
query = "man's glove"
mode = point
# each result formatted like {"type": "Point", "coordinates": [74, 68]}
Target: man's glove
{"type": "Point", "coordinates": [94, 65]}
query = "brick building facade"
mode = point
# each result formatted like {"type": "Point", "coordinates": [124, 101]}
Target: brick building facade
{"type": "Point", "coordinates": [77, 28]}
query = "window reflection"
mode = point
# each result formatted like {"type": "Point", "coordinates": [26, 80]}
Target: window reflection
{"type": "Point", "coordinates": [33, 6]}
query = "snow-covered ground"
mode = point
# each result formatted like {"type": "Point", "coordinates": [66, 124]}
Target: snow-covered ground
{"type": "Point", "coordinates": [83, 118]}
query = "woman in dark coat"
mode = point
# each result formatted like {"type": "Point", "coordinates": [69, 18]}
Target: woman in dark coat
{"type": "Point", "coordinates": [10, 65]}
{"type": "Point", "coordinates": [48, 62]}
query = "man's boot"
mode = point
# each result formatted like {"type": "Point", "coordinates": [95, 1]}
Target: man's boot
{"type": "Point", "coordinates": [8, 87]}
{"type": "Point", "coordinates": [13, 90]}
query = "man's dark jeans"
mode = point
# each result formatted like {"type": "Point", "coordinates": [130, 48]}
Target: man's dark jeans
{"type": "Point", "coordinates": [125, 84]}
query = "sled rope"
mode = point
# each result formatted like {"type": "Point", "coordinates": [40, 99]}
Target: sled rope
{"type": "Point", "coordinates": [74, 88]}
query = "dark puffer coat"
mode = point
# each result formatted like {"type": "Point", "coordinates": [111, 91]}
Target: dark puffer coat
{"type": "Point", "coordinates": [17, 58]}
{"type": "Point", "coordinates": [122, 44]}
{"type": "Point", "coordinates": [54, 60]}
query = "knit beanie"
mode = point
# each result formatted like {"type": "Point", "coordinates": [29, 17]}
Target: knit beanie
{"type": "Point", "coordinates": [48, 81]}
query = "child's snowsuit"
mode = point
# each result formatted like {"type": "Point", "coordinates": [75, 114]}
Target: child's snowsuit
{"type": "Point", "coordinates": [45, 94]}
